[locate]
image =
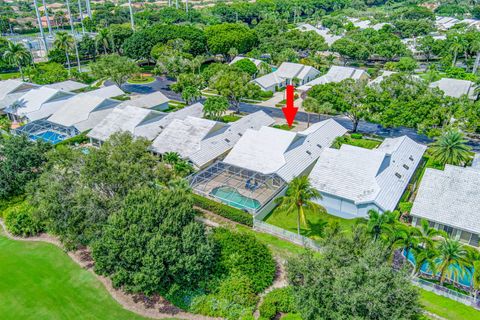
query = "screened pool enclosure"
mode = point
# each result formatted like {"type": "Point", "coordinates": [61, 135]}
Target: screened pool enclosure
{"type": "Point", "coordinates": [237, 187]}
{"type": "Point", "coordinates": [46, 131]}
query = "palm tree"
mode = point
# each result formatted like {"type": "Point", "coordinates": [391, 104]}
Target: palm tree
{"type": "Point", "coordinates": [64, 41]}
{"type": "Point", "coordinates": [428, 235]}
{"type": "Point", "coordinates": [476, 279]}
{"type": "Point", "coordinates": [423, 257]}
{"type": "Point", "coordinates": [298, 197]}
{"type": "Point", "coordinates": [103, 37]}
{"type": "Point", "coordinates": [457, 45]}
{"type": "Point", "coordinates": [451, 148]}
{"type": "Point", "coordinates": [407, 238]}
{"type": "Point", "coordinates": [171, 158]}
{"type": "Point", "coordinates": [380, 224]}
{"type": "Point", "coordinates": [475, 47]}
{"type": "Point", "coordinates": [451, 252]}
{"type": "Point", "coordinates": [17, 54]}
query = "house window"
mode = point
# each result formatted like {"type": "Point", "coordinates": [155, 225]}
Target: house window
{"type": "Point", "coordinates": [474, 240]}
{"type": "Point", "coordinates": [465, 236]}
{"type": "Point", "coordinates": [448, 230]}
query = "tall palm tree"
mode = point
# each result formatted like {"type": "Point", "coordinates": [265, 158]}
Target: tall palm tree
{"type": "Point", "coordinates": [428, 235]}
{"type": "Point", "coordinates": [451, 252]}
{"type": "Point", "coordinates": [407, 238]}
{"type": "Point", "coordinates": [18, 55]}
{"type": "Point", "coordinates": [103, 37]}
{"type": "Point", "coordinates": [299, 196]}
{"type": "Point", "coordinates": [451, 148]}
{"type": "Point", "coordinates": [426, 257]}
{"type": "Point", "coordinates": [457, 45]}
{"type": "Point", "coordinates": [64, 41]}
{"type": "Point", "coordinates": [380, 224]}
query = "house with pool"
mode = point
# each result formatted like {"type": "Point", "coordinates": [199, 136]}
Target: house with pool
{"type": "Point", "coordinates": [262, 162]}
{"type": "Point", "coordinates": [78, 113]}
{"type": "Point", "coordinates": [354, 180]}
{"type": "Point", "coordinates": [449, 200]}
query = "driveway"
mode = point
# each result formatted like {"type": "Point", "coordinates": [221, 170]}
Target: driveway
{"type": "Point", "coordinates": [161, 84]}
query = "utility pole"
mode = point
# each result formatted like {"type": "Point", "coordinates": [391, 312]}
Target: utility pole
{"type": "Point", "coordinates": [131, 14]}
{"type": "Point", "coordinates": [39, 21]}
{"type": "Point", "coordinates": [47, 17]}
{"type": "Point", "coordinates": [73, 34]}
{"type": "Point", "coordinates": [89, 9]}
{"type": "Point", "coordinates": [81, 16]}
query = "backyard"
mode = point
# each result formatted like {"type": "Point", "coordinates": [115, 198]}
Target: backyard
{"type": "Point", "coordinates": [39, 281]}
{"type": "Point", "coordinates": [316, 221]}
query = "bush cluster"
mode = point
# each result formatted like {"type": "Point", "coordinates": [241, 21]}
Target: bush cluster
{"type": "Point", "coordinates": [19, 220]}
{"type": "Point", "coordinates": [224, 210]}
{"type": "Point", "coordinates": [276, 301]}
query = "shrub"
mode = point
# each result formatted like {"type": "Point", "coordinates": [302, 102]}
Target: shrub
{"type": "Point", "coordinates": [266, 94]}
{"type": "Point", "coordinates": [405, 207]}
{"type": "Point", "coordinates": [356, 136]}
{"type": "Point", "coordinates": [81, 138]}
{"type": "Point", "coordinates": [19, 220]}
{"type": "Point", "coordinates": [238, 289]}
{"type": "Point", "coordinates": [243, 254]}
{"type": "Point", "coordinates": [224, 210]}
{"type": "Point", "coordinates": [276, 301]}
{"type": "Point", "coordinates": [213, 306]}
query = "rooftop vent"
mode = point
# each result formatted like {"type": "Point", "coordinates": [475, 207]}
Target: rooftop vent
{"type": "Point", "coordinates": [406, 167]}
{"type": "Point", "coordinates": [318, 145]}
{"type": "Point", "coordinates": [411, 158]}
{"type": "Point", "coordinates": [227, 140]}
{"type": "Point", "coordinates": [398, 175]}
{"type": "Point", "coordinates": [309, 153]}
{"type": "Point", "coordinates": [240, 134]}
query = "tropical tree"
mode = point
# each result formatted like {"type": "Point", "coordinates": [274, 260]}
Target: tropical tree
{"type": "Point", "coordinates": [451, 148]}
{"type": "Point", "coordinates": [214, 107]}
{"type": "Point", "coordinates": [380, 224]}
{"type": "Point", "coordinates": [64, 41]}
{"type": "Point", "coordinates": [476, 278]}
{"type": "Point", "coordinates": [299, 197]}
{"type": "Point", "coordinates": [171, 157]}
{"type": "Point", "coordinates": [115, 67]}
{"type": "Point", "coordinates": [406, 237]}
{"type": "Point", "coordinates": [429, 235]}
{"type": "Point", "coordinates": [103, 38]}
{"type": "Point", "coordinates": [425, 256]}
{"type": "Point", "coordinates": [450, 253]}
{"type": "Point", "coordinates": [17, 55]}
{"type": "Point", "coordinates": [190, 94]}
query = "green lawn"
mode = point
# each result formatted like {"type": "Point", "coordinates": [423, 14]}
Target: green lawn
{"type": "Point", "coordinates": [364, 143]}
{"type": "Point", "coordinates": [10, 75]}
{"type": "Point", "coordinates": [447, 308]}
{"type": "Point", "coordinates": [230, 118]}
{"type": "Point", "coordinates": [39, 281]}
{"type": "Point", "coordinates": [288, 221]}
{"type": "Point", "coordinates": [141, 80]}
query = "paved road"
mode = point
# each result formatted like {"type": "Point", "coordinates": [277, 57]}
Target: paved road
{"type": "Point", "coordinates": [162, 84]}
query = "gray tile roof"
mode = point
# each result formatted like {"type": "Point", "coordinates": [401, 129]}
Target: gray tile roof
{"type": "Point", "coordinates": [225, 139]}
{"type": "Point", "coordinates": [450, 197]}
{"type": "Point", "coordinates": [455, 87]}
{"type": "Point", "coordinates": [68, 85]}
{"type": "Point", "coordinates": [360, 175]}
{"type": "Point", "coordinates": [148, 101]}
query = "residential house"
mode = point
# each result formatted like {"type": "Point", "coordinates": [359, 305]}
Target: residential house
{"type": "Point", "coordinates": [449, 200]}
{"type": "Point", "coordinates": [287, 73]}
{"type": "Point", "coordinates": [155, 101]}
{"type": "Point", "coordinates": [336, 74]}
{"type": "Point", "coordinates": [354, 180]}
{"type": "Point", "coordinates": [456, 88]}
{"type": "Point", "coordinates": [322, 31]}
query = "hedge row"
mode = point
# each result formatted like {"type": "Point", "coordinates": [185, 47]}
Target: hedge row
{"type": "Point", "coordinates": [224, 210]}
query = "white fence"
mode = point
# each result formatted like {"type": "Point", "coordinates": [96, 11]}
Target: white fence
{"type": "Point", "coordinates": [448, 293]}
{"type": "Point", "coordinates": [286, 235]}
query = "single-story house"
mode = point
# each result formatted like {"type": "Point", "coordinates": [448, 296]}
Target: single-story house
{"type": "Point", "coordinates": [322, 31]}
{"type": "Point", "coordinates": [141, 122]}
{"type": "Point", "coordinates": [456, 88]}
{"type": "Point", "coordinates": [218, 145]}
{"type": "Point", "coordinates": [261, 163]}
{"type": "Point", "coordinates": [336, 74]}
{"type": "Point", "coordinates": [35, 104]}
{"type": "Point", "coordinates": [155, 101]}
{"type": "Point", "coordinates": [385, 74]}
{"type": "Point", "coordinates": [11, 90]}
{"type": "Point", "coordinates": [354, 180]}
{"type": "Point", "coordinates": [68, 85]}
{"type": "Point", "coordinates": [184, 136]}
{"type": "Point", "coordinates": [449, 200]}
{"type": "Point", "coordinates": [364, 24]}
{"type": "Point", "coordinates": [287, 73]}
{"type": "Point", "coordinates": [256, 62]}
{"type": "Point", "coordinates": [107, 92]}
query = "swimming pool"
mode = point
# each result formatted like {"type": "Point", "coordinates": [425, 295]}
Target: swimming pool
{"type": "Point", "coordinates": [232, 197]}
{"type": "Point", "coordinates": [48, 136]}
{"type": "Point", "coordinates": [464, 279]}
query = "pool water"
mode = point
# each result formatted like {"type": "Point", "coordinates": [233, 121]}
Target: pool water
{"type": "Point", "coordinates": [233, 198]}
{"type": "Point", "coordinates": [48, 136]}
{"type": "Point", "coordinates": [464, 278]}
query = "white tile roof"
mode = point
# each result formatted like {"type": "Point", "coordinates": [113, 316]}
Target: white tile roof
{"type": "Point", "coordinates": [287, 70]}
{"type": "Point", "coordinates": [450, 197]}
{"type": "Point", "coordinates": [336, 74]}
{"type": "Point", "coordinates": [184, 136]}
{"type": "Point", "coordinates": [68, 85]}
{"type": "Point", "coordinates": [225, 139]}
{"type": "Point", "coordinates": [381, 77]}
{"type": "Point", "coordinates": [127, 118]}
{"type": "Point", "coordinates": [455, 87]}
{"type": "Point", "coordinates": [286, 153]}
{"type": "Point", "coordinates": [324, 32]}
{"type": "Point", "coordinates": [238, 58]}
{"type": "Point", "coordinates": [106, 92]}
{"type": "Point", "coordinates": [148, 101]}
{"type": "Point", "coordinates": [360, 175]}
{"type": "Point", "coordinates": [8, 86]}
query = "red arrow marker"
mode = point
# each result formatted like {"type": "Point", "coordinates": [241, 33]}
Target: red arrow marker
{"type": "Point", "coordinates": [290, 110]}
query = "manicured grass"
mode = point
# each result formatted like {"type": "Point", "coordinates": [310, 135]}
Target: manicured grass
{"type": "Point", "coordinates": [284, 127]}
{"type": "Point", "coordinates": [364, 143]}
{"type": "Point", "coordinates": [10, 75]}
{"type": "Point", "coordinates": [142, 80]}
{"type": "Point", "coordinates": [230, 118]}
{"type": "Point", "coordinates": [39, 281]}
{"type": "Point", "coordinates": [288, 221]}
{"type": "Point", "coordinates": [447, 308]}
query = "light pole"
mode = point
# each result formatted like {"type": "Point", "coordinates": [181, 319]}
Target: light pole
{"type": "Point", "coordinates": [73, 34]}
{"type": "Point", "coordinates": [81, 16]}
{"type": "Point", "coordinates": [39, 21]}
{"type": "Point", "coordinates": [89, 9]}
{"type": "Point", "coordinates": [47, 17]}
{"type": "Point", "coordinates": [131, 14]}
